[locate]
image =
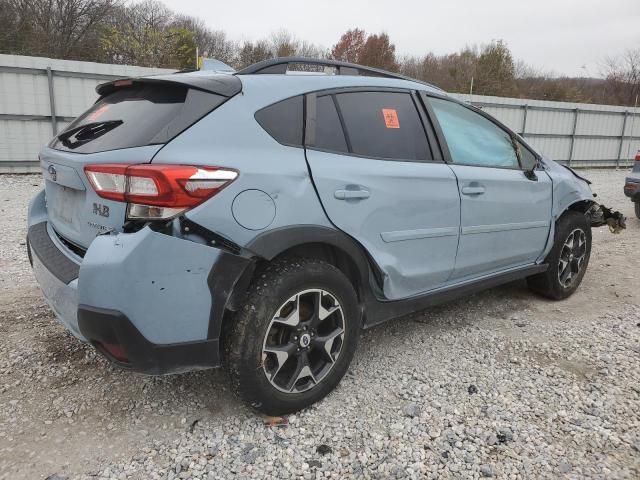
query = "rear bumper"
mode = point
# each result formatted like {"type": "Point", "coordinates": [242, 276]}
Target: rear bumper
{"type": "Point", "coordinates": [51, 268]}
{"type": "Point", "coordinates": [118, 339]}
{"type": "Point", "coordinates": [148, 301]}
{"type": "Point", "coordinates": [632, 188]}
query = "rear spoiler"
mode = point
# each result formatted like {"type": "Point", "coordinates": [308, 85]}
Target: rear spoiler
{"type": "Point", "coordinates": [218, 83]}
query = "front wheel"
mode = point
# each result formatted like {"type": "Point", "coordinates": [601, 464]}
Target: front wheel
{"type": "Point", "coordinates": [567, 260]}
{"type": "Point", "coordinates": [637, 204]}
{"type": "Point", "coordinates": [295, 337]}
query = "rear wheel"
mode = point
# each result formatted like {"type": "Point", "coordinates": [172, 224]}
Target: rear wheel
{"type": "Point", "coordinates": [294, 339]}
{"type": "Point", "coordinates": [637, 204]}
{"type": "Point", "coordinates": [567, 260]}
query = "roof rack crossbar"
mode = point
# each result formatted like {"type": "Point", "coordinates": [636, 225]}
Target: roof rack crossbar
{"type": "Point", "coordinates": [280, 65]}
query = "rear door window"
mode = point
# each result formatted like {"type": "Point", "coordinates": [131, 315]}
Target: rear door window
{"type": "Point", "coordinates": [135, 116]}
{"type": "Point", "coordinates": [283, 121]}
{"type": "Point", "coordinates": [383, 125]}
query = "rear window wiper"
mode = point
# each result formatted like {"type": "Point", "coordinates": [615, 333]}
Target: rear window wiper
{"type": "Point", "coordinates": [85, 133]}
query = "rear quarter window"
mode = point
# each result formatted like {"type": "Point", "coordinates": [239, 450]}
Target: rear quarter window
{"type": "Point", "coordinates": [135, 116]}
{"type": "Point", "coordinates": [283, 120]}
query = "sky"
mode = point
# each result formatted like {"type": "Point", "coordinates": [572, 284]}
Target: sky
{"type": "Point", "coordinates": [565, 37]}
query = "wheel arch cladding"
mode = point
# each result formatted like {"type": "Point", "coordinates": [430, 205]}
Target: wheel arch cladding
{"type": "Point", "coordinates": [580, 206]}
{"type": "Point", "coordinates": [308, 241]}
{"type": "Point", "coordinates": [311, 241]}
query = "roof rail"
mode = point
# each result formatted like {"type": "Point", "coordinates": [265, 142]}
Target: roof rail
{"type": "Point", "coordinates": [279, 65]}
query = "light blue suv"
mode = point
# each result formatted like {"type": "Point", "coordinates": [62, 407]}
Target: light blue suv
{"type": "Point", "coordinates": [260, 219]}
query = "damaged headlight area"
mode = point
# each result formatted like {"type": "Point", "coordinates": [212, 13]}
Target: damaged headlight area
{"type": "Point", "coordinates": [601, 215]}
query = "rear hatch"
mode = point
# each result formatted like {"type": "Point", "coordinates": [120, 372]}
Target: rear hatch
{"type": "Point", "coordinates": [129, 124]}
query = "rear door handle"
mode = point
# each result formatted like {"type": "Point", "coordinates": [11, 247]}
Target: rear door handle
{"type": "Point", "coordinates": [472, 190]}
{"type": "Point", "coordinates": [349, 194]}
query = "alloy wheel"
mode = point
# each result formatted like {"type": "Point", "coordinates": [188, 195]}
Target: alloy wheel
{"type": "Point", "coordinates": [572, 256]}
{"type": "Point", "coordinates": [303, 341]}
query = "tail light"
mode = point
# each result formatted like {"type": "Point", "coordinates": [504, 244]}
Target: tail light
{"type": "Point", "coordinates": [158, 192]}
{"type": "Point", "coordinates": [638, 156]}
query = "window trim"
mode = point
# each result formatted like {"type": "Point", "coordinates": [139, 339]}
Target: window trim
{"type": "Point", "coordinates": [310, 122]}
{"type": "Point", "coordinates": [426, 96]}
{"type": "Point", "coordinates": [343, 126]}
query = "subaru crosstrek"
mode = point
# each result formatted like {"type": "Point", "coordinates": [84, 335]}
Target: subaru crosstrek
{"type": "Point", "coordinates": [259, 220]}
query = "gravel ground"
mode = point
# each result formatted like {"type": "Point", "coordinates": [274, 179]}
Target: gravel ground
{"type": "Point", "coordinates": [502, 384]}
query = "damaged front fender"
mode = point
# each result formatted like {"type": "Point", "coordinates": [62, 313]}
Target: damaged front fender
{"type": "Point", "coordinates": [571, 189]}
{"type": "Point", "coordinates": [573, 192]}
{"type": "Point", "coordinates": [600, 215]}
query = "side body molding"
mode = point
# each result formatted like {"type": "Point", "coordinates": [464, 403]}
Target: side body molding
{"type": "Point", "coordinates": [375, 309]}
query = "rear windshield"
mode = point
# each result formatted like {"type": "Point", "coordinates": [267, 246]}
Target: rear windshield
{"type": "Point", "coordinates": [135, 116]}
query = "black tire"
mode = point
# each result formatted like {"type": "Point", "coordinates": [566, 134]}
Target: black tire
{"type": "Point", "coordinates": [267, 298]}
{"type": "Point", "coordinates": [550, 283]}
{"type": "Point", "coordinates": [637, 204]}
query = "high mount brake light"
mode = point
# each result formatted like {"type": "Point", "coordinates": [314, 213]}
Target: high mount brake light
{"type": "Point", "coordinates": [158, 192]}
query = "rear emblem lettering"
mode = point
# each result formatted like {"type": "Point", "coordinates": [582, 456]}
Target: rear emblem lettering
{"type": "Point", "coordinates": [102, 210]}
{"type": "Point", "coordinates": [97, 226]}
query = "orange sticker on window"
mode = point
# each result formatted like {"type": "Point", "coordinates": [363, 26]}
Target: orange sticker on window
{"type": "Point", "coordinates": [390, 118]}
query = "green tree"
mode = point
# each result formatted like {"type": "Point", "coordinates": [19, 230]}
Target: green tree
{"type": "Point", "coordinates": [181, 47]}
{"type": "Point", "coordinates": [495, 71]}
{"type": "Point", "coordinates": [145, 34]}
{"type": "Point", "coordinates": [211, 43]}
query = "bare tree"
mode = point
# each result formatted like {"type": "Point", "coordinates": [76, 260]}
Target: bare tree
{"type": "Point", "coordinates": [150, 34]}
{"type": "Point", "coordinates": [623, 77]}
{"type": "Point", "coordinates": [58, 28]}
{"type": "Point", "coordinates": [283, 44]}
{"type": "Point", "coordinates": [251, 53]}
{"type": "Point", "coordinates": [311, 50]}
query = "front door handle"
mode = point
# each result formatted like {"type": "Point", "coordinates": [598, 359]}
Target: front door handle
{"type": "Point", "coordinates": [472, 190]}
{"type": "Point", "coordinates": [351, 194]}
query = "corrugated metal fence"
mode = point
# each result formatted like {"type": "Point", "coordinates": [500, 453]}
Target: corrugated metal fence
{"type": "Point", "coordinates": [40, 96]}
